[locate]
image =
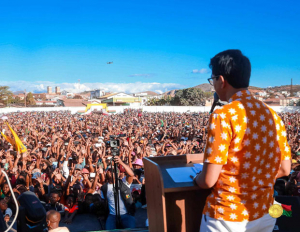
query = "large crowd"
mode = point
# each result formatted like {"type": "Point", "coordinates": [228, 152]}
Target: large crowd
{"type": "Point", "coordinates": [69, 157]}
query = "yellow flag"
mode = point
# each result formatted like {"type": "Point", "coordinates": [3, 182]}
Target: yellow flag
{"type": "Point", "coordinates": [8, 139]}
{"type": "Point", "coordinates": [19, 146]}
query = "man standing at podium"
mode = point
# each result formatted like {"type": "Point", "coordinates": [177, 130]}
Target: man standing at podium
{"type": "Point", "coordinates": [246, 151]}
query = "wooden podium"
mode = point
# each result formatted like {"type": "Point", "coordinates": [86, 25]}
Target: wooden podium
{"type": "Point", "coordinates": [172, 206]}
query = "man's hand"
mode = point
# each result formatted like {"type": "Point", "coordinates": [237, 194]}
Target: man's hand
{"type": "Point", "coordinates": [6, 218]}
{"type": "Point", "coordinates": [118, 160]}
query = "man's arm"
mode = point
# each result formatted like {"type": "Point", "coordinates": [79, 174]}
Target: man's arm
{"type": "Point", "coordinates": [126, 167]}
{"type": "Point", "coordinates": [209, 175]}
{"type": "Point", "coordinates": [284, 169]}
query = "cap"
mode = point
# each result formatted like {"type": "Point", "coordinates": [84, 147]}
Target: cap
{"type": "Point", "coordinates": [36, 170]}
{"type": "Point", "coordinates": [36, 175]}
{"type": "Point", "coordinates": [85, 171]}
{"type": "Point", "coordinates": [298, 153]}
{"type": "Point", "coordinates": [138, 162]}
{"type": "Point", "coordinates": [78, 166]}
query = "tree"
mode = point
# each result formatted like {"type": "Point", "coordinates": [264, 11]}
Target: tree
{"type": "Point", "coordinates": [77, 97]}
{"type": "Point", "coordinates": [5, 93]}
{"type": "Point", "coordinates": [189, 97]}
{"type": "Point", "coordinates": [29, 99]}
{"type": "Point", "coordinates": [152, 102]}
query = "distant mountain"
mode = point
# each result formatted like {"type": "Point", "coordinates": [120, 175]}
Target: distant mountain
{"type": "Point", "coordinates": [151, 93]}
{"type": "Point", "coordinates": [205, 87]}
{"type": "Point", "coordinates": [295, 88]}
{"type": "Point", "coordinates": [18, 92]}
{"type": "Point", "coordinates": [170, 93]}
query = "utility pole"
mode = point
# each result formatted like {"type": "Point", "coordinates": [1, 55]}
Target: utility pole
{"type": "Point", "coordinates": [291, 93]}
{"type": "Point", "coordinates": [25, 97]}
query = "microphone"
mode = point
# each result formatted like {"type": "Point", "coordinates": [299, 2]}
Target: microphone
{"type": "Point", "coordinates": [215, 103]}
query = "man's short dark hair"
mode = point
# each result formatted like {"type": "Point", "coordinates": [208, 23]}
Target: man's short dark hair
{"type": "Point", "coordinates": [233, 66]}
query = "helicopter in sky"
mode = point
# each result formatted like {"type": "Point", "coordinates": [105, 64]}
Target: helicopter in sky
{"type": "Point", "coordinates": [109, 62]}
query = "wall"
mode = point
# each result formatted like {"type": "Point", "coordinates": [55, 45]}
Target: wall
{"type": "Point", "coordinates": [120, 109]}
{"type": "Point", "coordinates": [46, 109]}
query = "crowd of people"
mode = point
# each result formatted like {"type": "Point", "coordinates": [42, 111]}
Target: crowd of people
{"type": "Point", "coordinates": [68, 163]}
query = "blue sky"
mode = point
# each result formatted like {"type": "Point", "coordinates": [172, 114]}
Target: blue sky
{"type": "Point", "coordinates": [154, 45]}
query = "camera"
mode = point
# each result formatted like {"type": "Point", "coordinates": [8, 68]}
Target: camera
{"type": "Point", "coordinates": [114, 143]}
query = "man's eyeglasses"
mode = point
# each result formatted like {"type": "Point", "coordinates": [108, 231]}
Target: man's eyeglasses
{"type": "Point", "coordinates": [211, 80]}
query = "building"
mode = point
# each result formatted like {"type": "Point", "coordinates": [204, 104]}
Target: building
{"type": "Point", "coordinates": [49, 89]}
{"type": "Point", "coordinates": [57, 90]}
{"type": "Point", "coordinates": [289, 101]}
{"type": "Point", "coordinates": [46, 103]}
{"type": "Point", "coordinates": [272, 101]}
{"type": "Point", "coordinates": [64, 92]}
{"type": "Point", "coordinates": [72, 102]}
{"type": "Point", "coordinates": [262, 94]}
{"type": "Point", "coordinates": [121, 99]}
{"type": "Point", "coordinates": [70, 95]}
{"type": "Point", "coordinates": [286, 93]}
{"type": "Point", "coordinates": [97, 93]}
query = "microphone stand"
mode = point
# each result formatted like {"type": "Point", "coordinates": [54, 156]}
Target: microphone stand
{"type": "Point", "coordinates": [116, 192]}
{"type": "Point", "coordinates": [15, 200]}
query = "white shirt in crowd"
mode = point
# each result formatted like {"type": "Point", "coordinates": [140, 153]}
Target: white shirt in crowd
{"type": "Point", "coordinates": [111, 201]}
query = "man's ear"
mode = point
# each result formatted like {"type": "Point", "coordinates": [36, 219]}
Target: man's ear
{"type": "Point", "coordinates": [223, 81]}
{"type": "Point", "coordinates": [48, 223]}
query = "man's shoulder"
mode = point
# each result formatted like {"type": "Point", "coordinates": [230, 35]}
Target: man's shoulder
{"type": "Point", "coordinates": [225, 109]}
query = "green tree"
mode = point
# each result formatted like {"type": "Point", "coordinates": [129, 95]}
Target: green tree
{"type": "Point", "coordinates": [29, 99]}
{"type": "Point", "coordinates": [152, 102]}
{"type": "Point", "coordinates": [5, 94]}
{"type": "Point", "coordinates": [77, 97]}
{"type": "Point", "coordinates": [189, 97]}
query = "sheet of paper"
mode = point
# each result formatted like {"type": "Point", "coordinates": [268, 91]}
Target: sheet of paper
{"type": "Point", "coordinates": [198, 167]}
{"type": "Point", "coordinates": [181, 174]}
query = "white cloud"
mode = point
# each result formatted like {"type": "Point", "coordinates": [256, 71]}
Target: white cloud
{"type": "Point", "coordinates": [158, 91]}
{"type": "Point", "coordinates": [202, 70]}
{"type": "Point", "coordinates": [142, 75]}
{"type": "Point", "coordinates": [41, 86]}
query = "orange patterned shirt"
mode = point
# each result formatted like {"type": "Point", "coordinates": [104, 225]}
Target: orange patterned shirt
{"type": "Point", "coordinates": [249, 139]}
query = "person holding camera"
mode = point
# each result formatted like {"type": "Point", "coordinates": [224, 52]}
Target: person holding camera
{"type": "Point", "coordinates": [126, 204]}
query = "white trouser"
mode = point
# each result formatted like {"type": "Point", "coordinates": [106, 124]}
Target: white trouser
{"type": "Point", "coordinates": [263, 224]}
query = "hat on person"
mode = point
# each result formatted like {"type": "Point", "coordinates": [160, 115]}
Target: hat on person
{"type": "Point", "coordinates": [294, 161]}
{"type": "Point", "coordinates": [78, 166]}
{"type": "Point", "coordinates": [36, 175]}
{"type": "Point", "coordinates": [85, 171]}
{"type": "Point", "coordinates": [133, 153]}
{"type": "Point", "coordinates": [298, 153]}
{"type": "Point", "coordinates": [138, 162]}
{"type": "Point", "coordinates": [36, 170]}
